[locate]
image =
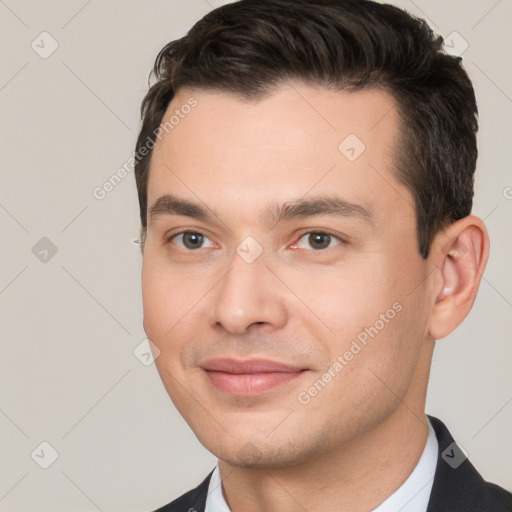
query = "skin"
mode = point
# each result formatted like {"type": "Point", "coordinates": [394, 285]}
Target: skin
{"type": "Point", "coordinates": [298, 304]}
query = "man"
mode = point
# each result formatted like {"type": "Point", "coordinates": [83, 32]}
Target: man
{"type": "Point", "coordinates": [305, 178]}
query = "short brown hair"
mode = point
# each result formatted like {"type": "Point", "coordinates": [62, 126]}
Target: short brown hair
{"type": "Point", "coordinates": [249, 47]}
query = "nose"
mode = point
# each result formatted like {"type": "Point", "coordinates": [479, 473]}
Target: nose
{"type": "Point", "coordinates": [247, 295]}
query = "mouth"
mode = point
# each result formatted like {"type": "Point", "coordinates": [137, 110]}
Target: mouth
{"type": "Point", "coordinates": [249, 378]}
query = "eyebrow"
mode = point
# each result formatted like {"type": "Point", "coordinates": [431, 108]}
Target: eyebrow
{"type": "Point", "coordinates": [331, 206]}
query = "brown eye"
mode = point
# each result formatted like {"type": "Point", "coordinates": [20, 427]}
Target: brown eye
{"type": "Point", "coordinates": [190, 240]}
{"type": "Point", "coordinates": [317, 241]}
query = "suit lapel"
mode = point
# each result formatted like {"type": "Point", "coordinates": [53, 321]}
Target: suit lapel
{"type": "Point", "coordinates": [457, 484]}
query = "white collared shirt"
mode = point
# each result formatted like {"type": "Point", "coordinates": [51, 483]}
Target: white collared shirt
{"type": "Point", "coordinates": [411, 496]}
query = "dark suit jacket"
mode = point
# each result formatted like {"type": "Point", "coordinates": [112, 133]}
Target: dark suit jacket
{"type": "Point", "coordinates": [457, 487]}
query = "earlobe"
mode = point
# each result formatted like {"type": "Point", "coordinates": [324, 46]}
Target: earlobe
{"type": "Point", "coordinates": [461, 261]}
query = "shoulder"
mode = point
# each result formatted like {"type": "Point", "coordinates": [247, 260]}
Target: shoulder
{"type": "Point", "coordinates": [191, 501]}
{"type": "Point", "coordinates": [457, 484]}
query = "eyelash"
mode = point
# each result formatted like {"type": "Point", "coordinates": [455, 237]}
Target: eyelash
{"type": "Point", "coordinates": [294, 246]}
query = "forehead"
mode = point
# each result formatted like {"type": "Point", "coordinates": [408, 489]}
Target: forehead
{"type": "Point", "coordinates": [297, 139]}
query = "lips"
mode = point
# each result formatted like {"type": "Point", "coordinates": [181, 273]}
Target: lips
{"type": "Point", "coordinates": [249, 366]}
{"type": "Point", "coordinates": [250, 377]}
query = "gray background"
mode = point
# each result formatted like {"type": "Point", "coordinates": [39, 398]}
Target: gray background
{"type": "Point", "coordinates": [72, 320]}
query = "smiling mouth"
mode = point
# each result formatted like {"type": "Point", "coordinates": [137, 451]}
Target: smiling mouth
{"type": "Point", "coordinates": [249, 378]}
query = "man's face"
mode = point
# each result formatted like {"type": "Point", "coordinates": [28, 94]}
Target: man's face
{"type": "Point", "coordinates": [302, 250]}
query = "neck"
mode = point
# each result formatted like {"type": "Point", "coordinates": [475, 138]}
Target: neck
{"type": "Point", "coordinates": [355, 478]}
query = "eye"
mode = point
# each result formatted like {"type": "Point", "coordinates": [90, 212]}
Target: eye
{"type": "Point", "coordinates": [190, 240]}
{"type": "Point", "coordinates": [317, 241]}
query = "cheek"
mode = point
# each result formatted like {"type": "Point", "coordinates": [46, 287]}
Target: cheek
{"type": "Point", "coordinates": [374, 321]}
{"type": "Point", "coordinates": [155, 303]}
{"type": "Point", "coordinates": [165, 300]}
{"type": "Point", "coordinates": [344, 298]}
{"type": "Point", "coordinates": [173, 305]}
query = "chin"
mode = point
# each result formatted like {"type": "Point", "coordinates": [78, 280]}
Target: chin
{"type": "Point", "coordinates": [259, 452]}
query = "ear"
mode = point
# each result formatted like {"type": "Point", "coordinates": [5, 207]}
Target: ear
{"type": "Point", "coordinates": [460, 252]}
